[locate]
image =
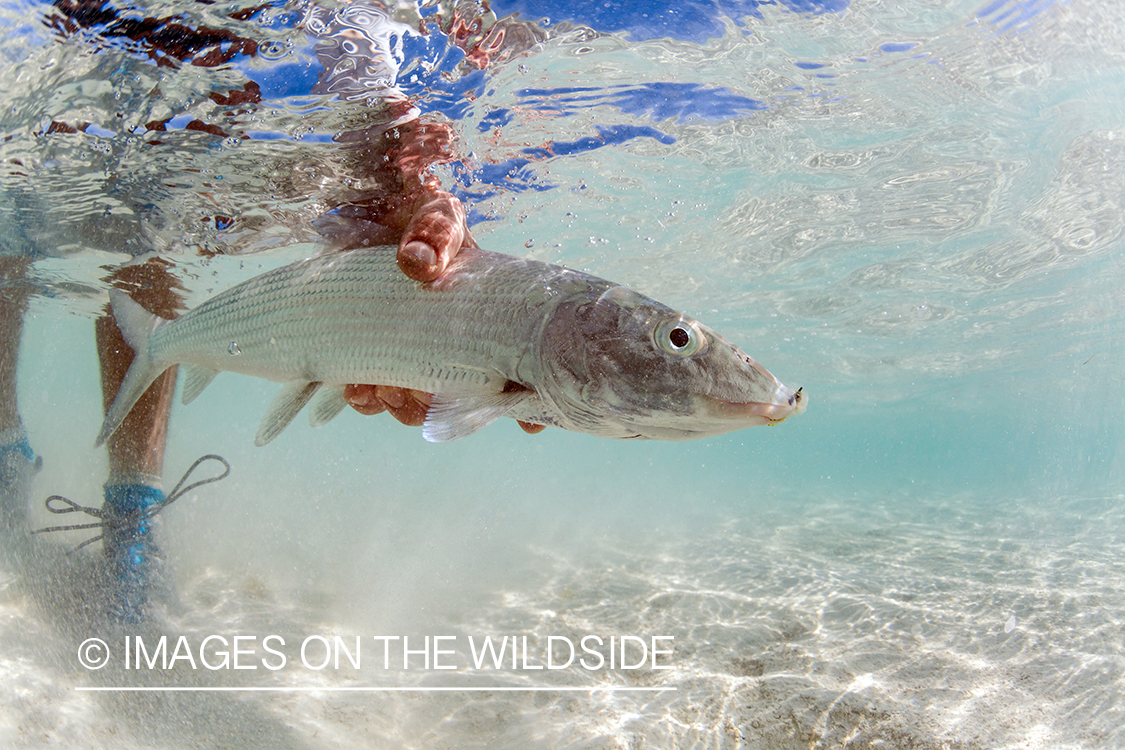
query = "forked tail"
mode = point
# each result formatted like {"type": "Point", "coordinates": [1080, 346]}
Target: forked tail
{"type": "Point", "coordinates": [137, 326]}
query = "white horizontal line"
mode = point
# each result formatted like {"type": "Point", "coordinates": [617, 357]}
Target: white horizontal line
{"type": "Point", "coordinates": [168, 689]}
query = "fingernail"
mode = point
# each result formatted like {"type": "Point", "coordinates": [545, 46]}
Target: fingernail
{"type": "Point", "coordinates": [420, 253]}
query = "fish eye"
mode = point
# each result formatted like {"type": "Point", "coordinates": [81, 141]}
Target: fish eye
{"type": "Point", "coordinates": [678, 336]}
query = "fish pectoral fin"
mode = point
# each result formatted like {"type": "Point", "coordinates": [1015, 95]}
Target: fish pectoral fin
{"type": "Point", "coordinates": [453, 416]}
{"type": "Point", "coordinates": [328, 403]}
{"type": "Point", "coordinates": [289, 400]}
{"type": "Point", "coordinates": [196, 378]}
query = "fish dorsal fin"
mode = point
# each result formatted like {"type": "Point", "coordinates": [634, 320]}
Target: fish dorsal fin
{"type": "Point", "coordinates": [328, 403]}
{"type": "Point", "coordinates": [349, 232]}
{"type": "Point", "coordinates": [196, 378]}
{"type": "Point", "coordinates": [289, 400]}
{"type": "Point", "coordinates": [455, 415]}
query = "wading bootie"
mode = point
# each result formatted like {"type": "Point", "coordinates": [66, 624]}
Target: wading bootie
{"type": "Point", "coordinates": [135, 562]}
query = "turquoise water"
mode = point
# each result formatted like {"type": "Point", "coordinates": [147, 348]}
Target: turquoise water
{"type": "Point", "coordinates": [912, 212]}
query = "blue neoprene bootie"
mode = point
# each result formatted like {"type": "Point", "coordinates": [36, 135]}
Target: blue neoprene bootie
{"type": "Point", "coordinates": [136, 564]}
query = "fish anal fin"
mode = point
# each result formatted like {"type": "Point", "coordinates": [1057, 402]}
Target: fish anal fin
{"type": "Point", "coordinates": [454, 415]}
{"type": "Point", "coordinates": [328, 403]}
{"type": "Point", "coordinates": [289, 400]}
{"type": "Point", "coordinates": [196, 378]}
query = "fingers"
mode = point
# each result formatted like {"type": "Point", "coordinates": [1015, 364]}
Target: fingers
{"type": "Point", "coordinates": [419, 261]}
{"type": "Point", "coordinates": [531, 429]}
{"type": "Point", "coordinates": [436, 232]}
{"type": "Point", "coordinates": [404, 404]}
{"type": "Point", "coordinates": [362, 398]}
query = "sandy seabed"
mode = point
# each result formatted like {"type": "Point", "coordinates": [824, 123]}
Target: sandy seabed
{"type": "Point", "coordinates": [876, 623]}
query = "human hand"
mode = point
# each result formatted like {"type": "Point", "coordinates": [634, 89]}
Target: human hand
{"type": "Point", "coordinates": [404, 404]}
{"type": "Point", "coordinates": [435, 233]}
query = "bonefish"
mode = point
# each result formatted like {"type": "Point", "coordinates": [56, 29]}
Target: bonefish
{"type": "Point", "coordinates": [494, 336]}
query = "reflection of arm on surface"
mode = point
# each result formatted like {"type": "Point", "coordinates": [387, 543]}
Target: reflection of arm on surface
{"type": "Point", "coordinates": [374, 179]}
{"type": "Point", "coordinates": [360, 51]}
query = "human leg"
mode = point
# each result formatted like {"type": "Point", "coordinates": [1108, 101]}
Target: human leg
{"type": "Point", "coordinates": [136, 451]}
{"type": "Point", "coordinates": [17, 461]}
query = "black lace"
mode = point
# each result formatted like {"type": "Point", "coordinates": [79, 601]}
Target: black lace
{"type": "Point", "coordinates": [116, 521]}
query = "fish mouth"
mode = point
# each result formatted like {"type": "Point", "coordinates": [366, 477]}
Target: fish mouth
{"type": "Point", "coordinates": [787, 404]}
{"type": "Point", "coordinates": [713, 415]}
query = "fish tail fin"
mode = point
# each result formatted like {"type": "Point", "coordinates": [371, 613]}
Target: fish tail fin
{"type": "Point", "coordinates": [137, 326]}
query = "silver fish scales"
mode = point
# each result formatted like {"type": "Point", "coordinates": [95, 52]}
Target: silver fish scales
{"type": "Point", "coordinates": [494, 336]}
